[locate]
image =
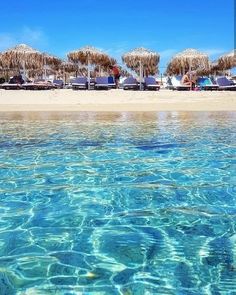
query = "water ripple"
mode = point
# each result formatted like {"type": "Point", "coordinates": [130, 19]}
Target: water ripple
{"type": "Point", "coordinates": [119, 205]}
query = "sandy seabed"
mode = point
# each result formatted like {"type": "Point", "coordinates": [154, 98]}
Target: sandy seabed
{"type": "Point", "coordinates": [68, 100]}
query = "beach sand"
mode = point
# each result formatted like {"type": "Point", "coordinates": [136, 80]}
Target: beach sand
{"type": "Point", "coordinates": [116, 100]}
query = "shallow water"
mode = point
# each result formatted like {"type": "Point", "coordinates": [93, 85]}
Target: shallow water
{"type": "Point", "coordinates": [123, 203]}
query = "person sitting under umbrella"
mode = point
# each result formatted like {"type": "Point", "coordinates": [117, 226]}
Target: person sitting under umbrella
{"type": "Point", "coordinates": [189, 80]}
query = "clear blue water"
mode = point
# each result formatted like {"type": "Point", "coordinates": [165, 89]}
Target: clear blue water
{"type": "Point", "coordinates": [118, 203]}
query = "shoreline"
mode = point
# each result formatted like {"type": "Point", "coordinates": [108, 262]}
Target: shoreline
{"type": "Point", "coordinates": [67, 100]}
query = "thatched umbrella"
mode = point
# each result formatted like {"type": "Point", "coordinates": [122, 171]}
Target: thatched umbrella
{"type": "Point", "coordinates": [173, 69]}
{"type": "Point", "coordinates": [1, 65]}
{"type": "Point", "coordinates": [67, 67]}
{"type": "Point", "coordinates": [213, 69]}
{"type": "Point", "coordinates": [21, 56]}
{"type": "Point", "coordinates": [51, 63]}
{"type": "Point", "coordinates": [25, 57]}
{"type": "Point", "coordinates": [106, 64]}
{"type": "Point", "coordinates": [51, 60]}
{"type": "Point", "coordinates": [140, 58]}
{"type": "Point", "coordinates": [88, 55]}
{"type": "Point", "coordinates": [228, 61]}
{"type": "Point", "coordinates": [190, 59]}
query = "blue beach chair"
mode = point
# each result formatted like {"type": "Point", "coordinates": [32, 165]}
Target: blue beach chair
{"type": "Point", "coordinates": [111, 82]}
{"type": "Point", "coordinates": [150, 84]}
{"type": "Point", "coordinates": [58, 83]}
{"type": "Point", "coordinates": [205, 83]}
{"type": "Point", "coordinates": [101, 83]}
{"type": "Point", "coordinates": [130, 83]}
{"type": "Point", "coordinates": [80, 83]}
{"type": "Point", "coordinates": [225, 84]}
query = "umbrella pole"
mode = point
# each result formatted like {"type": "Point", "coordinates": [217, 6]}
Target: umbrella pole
{"type": "Point", "coordinates": [88, 75]}
{"type": "Point", "coordinates": [140, 76]}
{"type": "Point", "coordinates": [24, 65]}
{"type": "Point", "coordinates": [45, 70]}
{"type": "Point", "coordinates": [24, 68]}
{"type": "Point", "coordinates": [190, 75]}
{"type": "Point", "coordinates": [64, 75]}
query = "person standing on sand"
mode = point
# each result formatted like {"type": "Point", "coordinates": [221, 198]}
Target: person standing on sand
{"type": "Point", "coordinates": [116, 74]}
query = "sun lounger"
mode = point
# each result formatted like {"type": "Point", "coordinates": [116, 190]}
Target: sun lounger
{"type": "Point", "coordinates": [15, 83]}
{"type": "Point", "coordinates": [151, 84]}
{"type": "Point", "coordinates": [58, 83]}
{"type": "Point", "coordinates": [111, 82]}
{"type": "Point", "coordinates": [101, 83]}
{"type": "Point", "coordinates": [39, 84]}
{"type": "Point", "coordinates": [11, 86]}
{"type": "Point", "coordinates": [205, 83]}
{"type": "Point", "coordinates": [177, 85]}
{"type": "Point", "coordinates": [225, 84]}
{"type": "Point", "coordinates": [80, 83]}
{"type": "Point", "coordinates": [130, 83]}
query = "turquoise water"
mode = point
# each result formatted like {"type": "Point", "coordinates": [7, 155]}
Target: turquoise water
{"type": "Point", "coordinates": [118, 203]}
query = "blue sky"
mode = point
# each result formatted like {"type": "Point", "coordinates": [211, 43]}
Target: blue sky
{"type": "Point", "coordinates": [119, 26]}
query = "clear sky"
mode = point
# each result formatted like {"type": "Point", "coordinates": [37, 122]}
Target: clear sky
{"type": "Point", "coordinates": [119, 26]}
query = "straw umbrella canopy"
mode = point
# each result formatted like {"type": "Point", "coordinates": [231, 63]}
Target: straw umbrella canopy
{"type": "Point", "coordinates": [51, 60]}
{"type": "Point", "coordinates": [213, 69]}
{"type": "Point", "coordinates": [228, 61]}
{"type": "Point", "coordinates": [189, 59]}
{"type": "Point", "coordinates": [67, 67]}
{"type": "Point", "coordinates": [173, 69]}
{"type": "Point", "coordinates": [106, 64]}
{"type": "Point", "coordinates": [141, 58]}
{"type": "Point", "coordinates": [21, 56]}
{"type": "Point", "coordinates": [87, 56]}
{"type": "Point", "coordinates": [51, 63]}
{"type": "Point", "coordinates": [24, 57]}
{"type": "Point", "coordinates": [1, 65]}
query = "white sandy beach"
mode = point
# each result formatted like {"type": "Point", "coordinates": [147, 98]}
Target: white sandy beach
{"type": "Point", "coordinates": [116, 100]}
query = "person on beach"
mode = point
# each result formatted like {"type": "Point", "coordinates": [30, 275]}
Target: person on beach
{"type": "Point", "coordinates": [186, 80]}
{"type": "Point", "coordinates": [189, 80]}
{"type": "Point", "coordinates": [116, 75]}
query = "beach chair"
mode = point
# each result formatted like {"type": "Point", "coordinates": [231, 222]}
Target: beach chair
{"type": "Point", "coordinates": [80, 83]}
{"type": "Point", "coordinates": [15, 83]}
{"type": "Point", "coordinates": [39, 84]}
{"type": "Point", "coordinates": [11, 86]}
{"type": "Point", "coordinates": [59, 84]}
{"type": "Point", "coordinates": [111, 82]}
{"type": "Point", "coordinates": [130, 83]}
{"type": "Point", "coordinates": [177, 84]}
{"type": "Point", "coordinates": [205, 83]}
{"type": "Point", "coordinates": [101, 83]}
{"type": "Point", "coordinates": [225, 84]}
{"type": "Point", "coordinates": [150, 84]}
